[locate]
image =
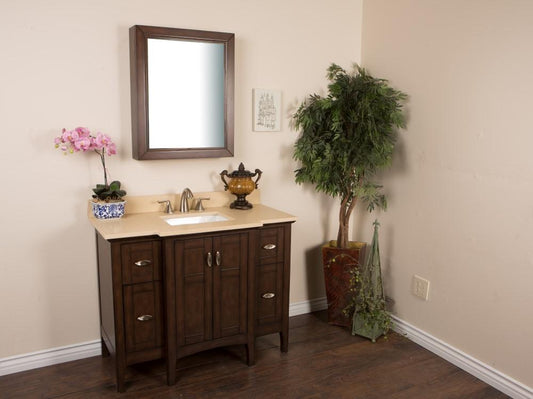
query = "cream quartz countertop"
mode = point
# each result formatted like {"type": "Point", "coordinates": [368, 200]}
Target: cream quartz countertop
{"type": "Point", "coordinates": [144, 217]}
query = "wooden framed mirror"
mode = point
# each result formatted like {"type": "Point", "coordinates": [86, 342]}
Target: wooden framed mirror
{"type": "Point", "coordinates": [182, 93]}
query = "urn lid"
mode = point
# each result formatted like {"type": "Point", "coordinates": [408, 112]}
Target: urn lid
{"type": "Point", "coordinates": [241, 172]}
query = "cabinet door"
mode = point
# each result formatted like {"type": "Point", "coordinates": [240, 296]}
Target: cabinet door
{"type": "Point", "coordinates": [194, 285]}
{"type": "Point", "coordinates": [230, 254]}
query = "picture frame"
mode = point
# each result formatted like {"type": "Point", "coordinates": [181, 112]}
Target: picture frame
{"type": "Point", "coordinates": [266, 110]}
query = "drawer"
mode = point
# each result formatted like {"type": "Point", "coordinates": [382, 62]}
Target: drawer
{"type": "Point", "coordinates": [141, 262]}
{"type": "Point", "coordinates": [143, 316]}
{"type": "Point", "coordinates": [270, 245]}
{"type": "Point", "coordinates": [269, 283]}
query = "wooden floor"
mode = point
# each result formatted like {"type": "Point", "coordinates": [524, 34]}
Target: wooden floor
{"type": "Point", "coordinates": [323, 362]}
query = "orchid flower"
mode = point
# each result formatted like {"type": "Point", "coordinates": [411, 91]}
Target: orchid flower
{"type": "Point", "coordinates": [80, 139]}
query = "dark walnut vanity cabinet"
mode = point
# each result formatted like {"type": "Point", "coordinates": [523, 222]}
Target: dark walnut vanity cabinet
{"type": "Point", "coordinates": [272, 278]}
{"type": "Point", "coordinates": [170, 297]}
{"type": "Point", "coordinates": [132, 324]}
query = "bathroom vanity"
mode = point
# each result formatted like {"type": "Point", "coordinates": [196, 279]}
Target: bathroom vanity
{"type": "Point", "coordinates": [168, 291]}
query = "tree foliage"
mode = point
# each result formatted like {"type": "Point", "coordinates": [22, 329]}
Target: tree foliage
{"type": "Point", "coordinates": [346, 137]}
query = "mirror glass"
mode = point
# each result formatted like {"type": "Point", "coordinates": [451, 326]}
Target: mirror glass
{"type": "Point", "coordinates": [196, 69]}
{"type": "Point", "coordinates": [182, 93]}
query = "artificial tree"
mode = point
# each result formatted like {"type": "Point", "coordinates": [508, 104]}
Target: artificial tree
{"type": "Point", "coordinates": [346, 137]}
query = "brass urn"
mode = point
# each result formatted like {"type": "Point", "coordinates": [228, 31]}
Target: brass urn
{"type": "Point", "coordinates": [241, 185]}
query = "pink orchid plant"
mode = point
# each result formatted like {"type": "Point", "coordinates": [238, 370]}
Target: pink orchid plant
{"type": "Point", "coordinates": [80, 139]}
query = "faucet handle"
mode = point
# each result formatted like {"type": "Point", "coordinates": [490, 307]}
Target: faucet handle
{"type": "Point", "coordinates": [198, 206]}
{"type": "Point", "coordinates": [168, 206]}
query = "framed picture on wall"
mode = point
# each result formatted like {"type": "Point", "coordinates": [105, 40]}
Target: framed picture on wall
{"type": "Point", "coordinates": [267, 110]}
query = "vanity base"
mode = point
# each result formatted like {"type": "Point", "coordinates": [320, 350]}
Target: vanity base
{"type": "Point", "coordinates": [167, 298]}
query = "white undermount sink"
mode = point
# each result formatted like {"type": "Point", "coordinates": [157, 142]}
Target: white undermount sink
{"type": "Point", "coordinates": [196, 219]}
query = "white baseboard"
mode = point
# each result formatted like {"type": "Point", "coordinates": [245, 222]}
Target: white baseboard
{"type": "Point", "coordinates": [313, 305]}
{"type": "Point", "coordinates": [462, 360]}
{"type": "Point", "coordinates": [484, 372]}
{"type": "Point", "coordinates": [480, 370]}
{"type": "Point", "coordinates": [48, 357]}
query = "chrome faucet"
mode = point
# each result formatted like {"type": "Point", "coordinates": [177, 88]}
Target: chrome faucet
{"type": "Point", "coordinates": [168, 206]}
{"type": "Point", "coordinates": [197, 203]}
{"type": "Point", "coordinates": [185, 196]}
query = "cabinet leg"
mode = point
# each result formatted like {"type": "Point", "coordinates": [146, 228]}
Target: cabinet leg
{"type": "Point", "coordinates": [121, 386]}
{"type": "Point", "coordinates": [284, 341]}
{"type": "Point", "coordinates": [121, 380]}
{"type": "Point", "coordinates": [250, 353]}
{"type": "Point", "coordinates": [120, 366]}
{"type": "Point", "coordinates": [171, 370]}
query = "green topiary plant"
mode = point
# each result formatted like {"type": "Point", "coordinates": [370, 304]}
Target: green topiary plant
{"type": "Point", "coordinates": [346, 137]}
{"type": "Point", "coordinates": [367, 306]}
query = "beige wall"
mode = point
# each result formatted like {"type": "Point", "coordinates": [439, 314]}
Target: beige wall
{"type": "Point", "coordinates": [459, 194]}
{"type": "Point", "coordinates": [66, 63]}
{"type": "Point", "coordinates": [461, 210]}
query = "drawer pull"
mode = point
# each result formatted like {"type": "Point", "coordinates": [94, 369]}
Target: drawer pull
{"type": "Point", "coordinates": [209, 259]}
{"type": "Point", "coordinates": [269, 246]}
{"type": "Point", "coordinates": [218, 258]}
{"type": "Point", "coordinates": [145, 317]}
{"type": "Point", "coordinates": [268, 295]}
{"type": "Point", "coordinates": [143, 263]}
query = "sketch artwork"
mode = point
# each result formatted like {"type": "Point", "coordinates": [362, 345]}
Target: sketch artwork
{"type": "Point", "coordinates": [267, 110]}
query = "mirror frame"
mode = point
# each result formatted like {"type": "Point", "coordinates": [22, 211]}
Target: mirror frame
{"type": "Point", "coordinates": [139, 35]}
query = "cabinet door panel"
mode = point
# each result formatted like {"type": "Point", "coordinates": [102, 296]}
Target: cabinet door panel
{"type": "Point", "coordinates": [143, 317]}
{"type": "Point", "coordinates": [195, 311]}
{"type": "Point", "coordinates": [229, 317]}
{"type": "Point", "coordinates": [194, 257]}
{"type": "Point", "coordinates": [193, 291]}
{"type": "Point", "coordinates": [141, 262]}
{"type": "Point", "coordinates": [229, 291]}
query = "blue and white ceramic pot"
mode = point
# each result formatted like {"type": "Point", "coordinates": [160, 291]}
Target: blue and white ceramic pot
{"type": "Point", "coordinates": [108, 210]}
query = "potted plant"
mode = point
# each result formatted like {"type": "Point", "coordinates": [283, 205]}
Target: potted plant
{"type": "Point", "coordinates": [108, 200]}
{"type": "Point", "coordinates": [370, 318]}
{"type": "Point", "coordinates": [346, 137]}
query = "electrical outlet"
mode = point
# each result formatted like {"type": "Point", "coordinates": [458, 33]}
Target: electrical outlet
{"type": "Point", "coordinates": [421, 287]}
